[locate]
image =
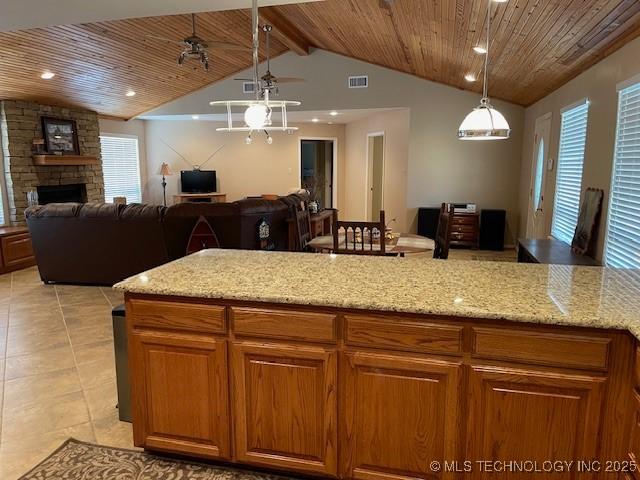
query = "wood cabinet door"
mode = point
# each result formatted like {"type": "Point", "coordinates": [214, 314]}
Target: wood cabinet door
{"type": "Point", "coordinates": [400, 414]}
{"type": "Point", "coordinates": [180, 393]}
{"type": "Point", "coordinates": [285, 406]}
{"type": "Point", "coordinates": [528, 415]}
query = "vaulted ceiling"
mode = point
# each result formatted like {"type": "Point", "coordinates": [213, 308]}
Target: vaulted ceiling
{"type": "Point", "coordinates": [538, 46]}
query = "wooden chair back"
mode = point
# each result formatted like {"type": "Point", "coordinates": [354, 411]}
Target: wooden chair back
{"type": "Point", "coordinates": [443, 236]}
{"type": "Point", "coordinates": [359, 238]}
{"type": "Point", "coordinates": [303, 229]}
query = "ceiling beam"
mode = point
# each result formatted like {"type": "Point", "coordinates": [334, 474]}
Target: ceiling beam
{"type": "Point", "coordinates": [285, 31]}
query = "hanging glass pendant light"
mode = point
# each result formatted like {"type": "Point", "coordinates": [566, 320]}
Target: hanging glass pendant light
{"type": "Point", "coordinates": [257, 115]}
{"type": "Point", "coordinates": [485, 122]}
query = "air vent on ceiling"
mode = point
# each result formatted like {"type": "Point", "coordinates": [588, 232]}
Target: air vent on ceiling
{"type": "Point", "coordinates": [248, 87]}
{"type": "Point", "coordinates": [361, 81]}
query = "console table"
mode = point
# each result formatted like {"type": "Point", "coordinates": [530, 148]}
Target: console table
{"type": "Point", "coordinates": [550, 251]}
{"type": "Point", "coordinates": [200, 197]}
{"type": "Point", "coordinates": [16, 251]}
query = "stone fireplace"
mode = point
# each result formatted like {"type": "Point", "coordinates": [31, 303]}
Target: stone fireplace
{"type": "Point", "coordinates": [20, 125]}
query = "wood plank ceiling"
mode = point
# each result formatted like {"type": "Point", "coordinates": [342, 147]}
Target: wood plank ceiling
{"type": "Point", "coordinates": [538, 46]}
{"type": "Point", "coordinates": [97, 63]}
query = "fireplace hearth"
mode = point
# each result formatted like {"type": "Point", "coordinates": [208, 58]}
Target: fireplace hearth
{"type": "Point", "coordinates": [76, 192]}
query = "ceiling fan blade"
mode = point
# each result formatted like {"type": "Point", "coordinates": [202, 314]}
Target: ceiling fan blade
{"type": "Point", "coordinates": [163, 39]}
{"type": "Point", "coordinates": [244, 79]}
{"type": "Point", "coordinates": [288, 80]}
{"type": "Point", "coordinates": [225, 46]}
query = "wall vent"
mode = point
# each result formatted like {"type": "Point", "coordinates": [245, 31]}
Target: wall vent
{"type": "Point", "coordinates": [361, 81]}
{"type": "Point", "coordinates": [248, 87]}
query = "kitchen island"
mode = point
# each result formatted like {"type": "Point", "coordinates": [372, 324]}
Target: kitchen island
{"type": "Point", "coordinates": [385, 368]}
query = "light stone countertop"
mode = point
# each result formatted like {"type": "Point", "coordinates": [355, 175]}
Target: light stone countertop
{"type": "Point", "coordinates": [551, 294]}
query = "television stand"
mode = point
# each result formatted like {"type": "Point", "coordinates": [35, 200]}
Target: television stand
{"type": "Point", "coordinates": [200, 198]}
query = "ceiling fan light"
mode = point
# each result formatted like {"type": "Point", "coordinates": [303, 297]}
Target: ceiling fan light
{"type": "Point", "coordinates": [256, 116]}
{"type": "Point", "coordinates": [484, 123]}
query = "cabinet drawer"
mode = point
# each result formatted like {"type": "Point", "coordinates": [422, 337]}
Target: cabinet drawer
{"type": "Point", "coordinates": [542, 348]}
{"type": "Point", "coordinates": [464, 228]}
{"type": "Point", "coordinates": [464, 220]}
{"type": "Point", "coordinates": [177, 316]}
{"type": "Point", "coordinates": [463, 236]}
{"type": "Point", "coordinates": [17, 250]}
{"type": "Point", "coordinates": [285, 324]}
{"type": "Point", "coordinates": [401, 334]}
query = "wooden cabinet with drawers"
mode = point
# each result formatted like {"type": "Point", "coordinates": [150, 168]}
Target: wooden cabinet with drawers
{"type": "Point", "coordinates": [352, 394]}
{"type": "Point", "coordinates": [16, 251]}
{"type": "Point", "coordinates": [465, 230]}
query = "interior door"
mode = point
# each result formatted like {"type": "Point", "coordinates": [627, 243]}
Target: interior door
{"type": "Point", "coordinates": [376, 176]}
{"type": "Point", "coordinates": [537, 211]}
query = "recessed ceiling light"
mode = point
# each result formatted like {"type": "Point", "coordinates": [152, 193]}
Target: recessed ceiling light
{"type": "Point", "coordinates": [501, 1]}
{"type": "Point", "coordinates": [470, 77]}
{"type": "Point", "coordinates": [315, 120]}
{"type": "Point", "coordinates": [330, 123]}
{"type": "Point", "coordinates": [47, 75]}
{"type": "Point", "coordinates": [334, 114]}
{"type": "Point", "coordinates": [195, 117]}
{"type": "Point", "coordinates": [131, 93]}
{"type": "Point", "coordinates": [479, 49]}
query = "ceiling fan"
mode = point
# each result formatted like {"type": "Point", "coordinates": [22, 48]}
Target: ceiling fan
{"type": "Point", "coordinates": [197, 48]}
{"type": "Point", "coordinates": [269, 81]}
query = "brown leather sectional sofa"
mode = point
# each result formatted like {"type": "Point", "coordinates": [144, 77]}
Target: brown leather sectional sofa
{"type": "Point", "coordinates": [101, 244]}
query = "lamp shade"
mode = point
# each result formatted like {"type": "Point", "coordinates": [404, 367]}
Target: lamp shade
{"type": "Point", "coordinates": [165, 170]}
{"type": "Point", "coordinates": [484, 123]}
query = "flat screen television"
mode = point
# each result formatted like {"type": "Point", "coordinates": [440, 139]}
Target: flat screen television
{"type": "Point", "coordinates": [198, 181]}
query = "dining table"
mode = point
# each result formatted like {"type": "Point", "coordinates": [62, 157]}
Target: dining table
{"type": "Point", "coordinates": [399, 245]}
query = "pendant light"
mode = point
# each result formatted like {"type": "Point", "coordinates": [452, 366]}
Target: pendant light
{"type": "Point", "coordinates": [257, 115]}
{"type": "Point", "coordinates": [485, 122]}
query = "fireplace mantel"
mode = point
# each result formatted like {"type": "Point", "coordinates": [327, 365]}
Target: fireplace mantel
{"type": "Point", "coordinates": [57, 160]}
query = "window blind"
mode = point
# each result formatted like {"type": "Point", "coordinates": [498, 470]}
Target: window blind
{"type": "Point", "coordinates": [1, 204]}
{"type": "Point", "coordinates": [121, 168]}
{"type": "Point", "coordinates": [573, 138]}
{"type": "Point", "coordinates": [623, 230]}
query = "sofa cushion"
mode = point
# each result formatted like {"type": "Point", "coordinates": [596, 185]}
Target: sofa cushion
{"type": "Point", "coordinates": [100, 210]}
{"type": "Point", "coordinates": [53, 210]}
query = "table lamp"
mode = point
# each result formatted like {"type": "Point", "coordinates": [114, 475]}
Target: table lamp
{"type": "Point", "coordinates": [165, 171]}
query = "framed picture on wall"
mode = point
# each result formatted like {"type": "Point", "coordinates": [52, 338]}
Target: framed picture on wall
{"type": "Point", "coordinates": [60, 136]}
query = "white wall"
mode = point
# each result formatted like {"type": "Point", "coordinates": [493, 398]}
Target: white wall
{"type": "Point", "coordinates": [440, 168]}
{"type": "Point", "coordinates": [598, 84]}
{"type": "Point", "coordinates": [395, 125]}
{"type": "Point", "coordinates": [242, 170]}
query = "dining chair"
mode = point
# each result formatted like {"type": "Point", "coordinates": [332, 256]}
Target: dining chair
{"type": "Point", "coordinates": [443, 236]}
{"type": "Point", "coordinates": [359, 238]}
{"type": "Point", "coordinates": [303, 229]}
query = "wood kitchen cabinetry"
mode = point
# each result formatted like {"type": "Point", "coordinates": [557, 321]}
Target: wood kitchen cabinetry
{"type": "Point", "coordinates": [373, 395]}
{"type": "Point", "coordinates": [285, 406]}
{"type": "Point", "coordinates": [16, 251]}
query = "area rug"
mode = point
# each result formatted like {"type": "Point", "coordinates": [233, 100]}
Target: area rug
{"type": "Point", "coordinates": [75, 460]}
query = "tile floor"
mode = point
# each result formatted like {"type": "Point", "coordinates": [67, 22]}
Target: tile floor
{"type": "Point", "coordinates": [57, 374]}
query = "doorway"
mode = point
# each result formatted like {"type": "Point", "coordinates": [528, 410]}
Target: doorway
{"type": "Point", "coordinates": [318, 170]}
{"type": "Point", "coordinates": [539, 166]}
{"type": "Point", "coordinates": [375, 175]}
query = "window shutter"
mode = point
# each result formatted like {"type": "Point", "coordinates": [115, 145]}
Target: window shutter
{"type": "Point", "coordinates": [623, 230]}
{"type": "Point", "coordinates": [121, 168]}
{"type": "Point", "coordinates": [573, 138]}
